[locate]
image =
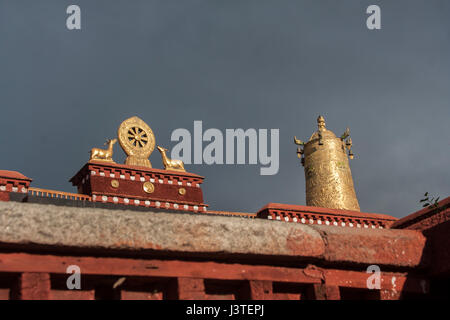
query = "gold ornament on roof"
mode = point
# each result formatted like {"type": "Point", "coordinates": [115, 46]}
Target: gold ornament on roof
{"type": "Point", "coordinates": [148, 187]}
{"type": "Point", "coordinates": [169, 164]}
{"type": "Point", "coordinates": [328, 177]}
{"type": "Point", "coordinates": [137, 140]}
{"type": "Point", "coordinates": [114, 183]}
{"type": "Point", "coordinates": [105, 155]}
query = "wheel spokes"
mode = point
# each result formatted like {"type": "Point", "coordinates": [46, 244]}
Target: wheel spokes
{"type": "Point", "coordinates": [138, 137]}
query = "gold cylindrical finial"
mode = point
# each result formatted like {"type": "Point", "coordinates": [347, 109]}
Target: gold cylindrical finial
{"type": "Point", "coordinates": [328, 177]}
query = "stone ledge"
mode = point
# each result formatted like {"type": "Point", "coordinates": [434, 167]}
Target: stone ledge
{"type": "Point", "coordinates": [131, 231]}
{"type": "Point", "coordinates": [373, 246]}
{"type": "Point", "coordinates": [23, 223]}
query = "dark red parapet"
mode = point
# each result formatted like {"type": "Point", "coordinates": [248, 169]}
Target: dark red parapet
{"type": "Point", "coordinates": [140, 186]}
{"type": "Point", "coordinates": [325, 216]}
{"type": "Point", "coordinates": [427, 217]}
{"type": "Point", "coordinates": [12, 181]}
{"type": "Point", "coordinates": [434, 222]}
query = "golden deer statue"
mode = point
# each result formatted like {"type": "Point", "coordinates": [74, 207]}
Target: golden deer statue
{"type": "Point", "coordinates": [170, 164]}
{"type": "Point", "coordinates": [103, 155]}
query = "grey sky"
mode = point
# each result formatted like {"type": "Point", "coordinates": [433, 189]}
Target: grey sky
{"type": "Point", "coordinates": [233, 64]}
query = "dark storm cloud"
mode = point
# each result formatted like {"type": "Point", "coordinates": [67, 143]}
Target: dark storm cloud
{"type": "Point", "coordinates": [233, 64]}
